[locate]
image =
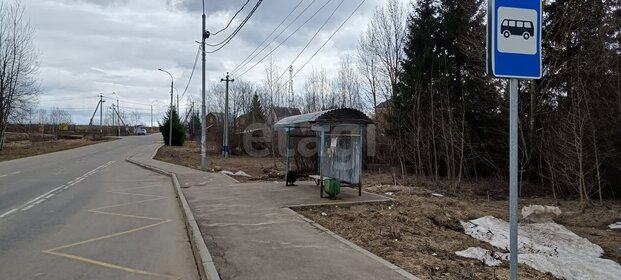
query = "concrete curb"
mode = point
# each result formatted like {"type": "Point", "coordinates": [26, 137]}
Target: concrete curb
{"type": "Point", "coordinates": [205, 264]}
{"type": "Point", "coordinates": [384, 262]}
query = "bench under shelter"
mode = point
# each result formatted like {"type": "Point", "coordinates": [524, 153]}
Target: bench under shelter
{"type": "Point", "coordinates": [339, 133]}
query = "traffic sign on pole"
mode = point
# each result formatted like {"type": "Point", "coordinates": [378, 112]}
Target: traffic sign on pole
{"type": "Point", "coordinates": [514, 52]}
{"type": "Point", "coordinates": [514, 39]}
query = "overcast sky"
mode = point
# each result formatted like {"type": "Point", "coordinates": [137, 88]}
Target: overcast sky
{"type": "Point", "coordinates": [89, 47]}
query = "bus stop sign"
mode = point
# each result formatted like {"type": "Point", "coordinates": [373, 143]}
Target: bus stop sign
{"type": "Point", "coordinates": [514, 39]}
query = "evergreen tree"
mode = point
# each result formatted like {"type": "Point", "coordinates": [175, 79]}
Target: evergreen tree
{"type": "Point", "coordinates": [178, 129]}
{"type": "Point", "coordinates": [256, 110]}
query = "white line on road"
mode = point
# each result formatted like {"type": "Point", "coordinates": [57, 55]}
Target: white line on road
{"type": "Point", "coordinates": [12, 173]}
{"type": "Point", "coordinates": [51, 193]}
{"type": "Point", "coordinates": [8, 212]}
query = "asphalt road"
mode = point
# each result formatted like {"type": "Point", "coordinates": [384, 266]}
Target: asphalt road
{"type": "Point", "coordinates": [85, 213]}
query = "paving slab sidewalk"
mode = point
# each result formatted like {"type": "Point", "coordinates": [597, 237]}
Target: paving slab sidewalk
{"type": "Point", "coordinates": [252, 234]}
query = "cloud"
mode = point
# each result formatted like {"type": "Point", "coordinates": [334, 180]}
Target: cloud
{"type": "Point", "coordinates": [89, 47]}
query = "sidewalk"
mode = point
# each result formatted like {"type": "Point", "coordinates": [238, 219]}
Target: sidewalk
{"type": "Point", "coordinates": [252, 234]}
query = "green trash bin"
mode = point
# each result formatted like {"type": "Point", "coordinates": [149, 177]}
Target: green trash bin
{"type": "Point", "coordinates": [332, 187]}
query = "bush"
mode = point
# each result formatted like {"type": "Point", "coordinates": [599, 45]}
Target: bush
{"type": "Point", "coordinates": [178, 129]}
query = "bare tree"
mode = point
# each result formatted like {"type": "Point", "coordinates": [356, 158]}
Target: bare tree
{"type": "Point", "coordinates": [135, 118]}
{"type": "Point", "coordinates": [348, 85]}
{"type": "Point", "coordinates": [58, 117]}
{"type": "Point", "coordinates": [18, 65]}
{"type": "Point", "coordinates": [385, 39]}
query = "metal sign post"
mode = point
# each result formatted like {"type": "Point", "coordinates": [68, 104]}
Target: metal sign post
{"type": "Point", "coordinates": [514, 52]}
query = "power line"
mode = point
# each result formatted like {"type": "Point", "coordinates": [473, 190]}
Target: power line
{"type": "Point", "coordinates": [312, 38]}
{"type": "Point", "coordinates": [230, 21]}
{"type": "Point", "coordinates": [281, 43]}
{"type": "Point", "coordinates": [192, 73]}
{"type": "Point", "coordinates": [241, 25]}
{"type": "Point", "coordinates": [330, 38]}
{"type": "Point", "coordinates": [241, 64]}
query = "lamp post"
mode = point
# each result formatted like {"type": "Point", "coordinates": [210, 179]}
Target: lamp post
{"type": "Point", "coordinates": [118, 124]}
{"type": "Point", "coordinates": [170, 118]}
{"type": "Point", "coordinates": [152, 115]}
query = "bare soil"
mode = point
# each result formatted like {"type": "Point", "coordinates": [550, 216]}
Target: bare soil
{"type": "Point", "coordinates": [189, 156]}
{"type": "Point", "coordinates": [421, 232]}
{"type": "Point", "coordinates": [26, 148]}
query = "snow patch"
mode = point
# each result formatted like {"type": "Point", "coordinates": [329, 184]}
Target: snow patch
{"type": "Point", "coordinates": [485, 256]}
{"type": "Point", "coordinates": [238, 173]}
{"type": "Point", "coordinates": [437, 195]}
{"type": "Point", "coordinates": [616, 225]}
{"type": "Point", "coordinates": [547, 247]}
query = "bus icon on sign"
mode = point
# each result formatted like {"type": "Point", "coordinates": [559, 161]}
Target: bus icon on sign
{"type": "Point", "coordinates": [517, 30]}
{"type": "Point", "coordinates": [514, 27]}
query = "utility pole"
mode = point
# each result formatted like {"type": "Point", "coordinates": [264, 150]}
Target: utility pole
{"type": "Point", "coordinates": [204, 35]}
{"type": "Point", "coordinates": [101, 101]}
{"type": "Point", "coordinates": [170, 115]}
{"type": "Point", "coordinates": [113, 115]}
{"type": "Point", "coordinates": [118, 124]}
{"type": "Point", "coordinates": [291, 86]}
{"type": "Point", "coordinates": [225, 146]}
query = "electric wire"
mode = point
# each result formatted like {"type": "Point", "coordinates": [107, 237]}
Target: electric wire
{"type": "Point", "coordinates": [312, 38]}
{"type": "Point", "coordinates": [281, 43]}
{"type": "Point", "coordinates": [241, 25]}
{"type": "Point", "coordinates": [230, 21]}
{"type": "Point", "coordinates": [192, 73]}
{"type": "Point", "coordinates": [241, 64]}
{"type": "Point", "coordinates": [329, 38]}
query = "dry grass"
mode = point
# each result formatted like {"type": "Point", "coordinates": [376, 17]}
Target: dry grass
{"type": "Point", "coordinates": [189, 155]}
{"type": "Point", "coordinates": [20, 149]}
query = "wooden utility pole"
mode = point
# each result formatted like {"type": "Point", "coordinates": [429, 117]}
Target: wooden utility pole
{"type": "Point", "coordinates": [225, 145]}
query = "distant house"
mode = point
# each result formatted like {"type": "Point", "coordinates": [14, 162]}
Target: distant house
{"type": "Point", "coordinates": [279, 113]}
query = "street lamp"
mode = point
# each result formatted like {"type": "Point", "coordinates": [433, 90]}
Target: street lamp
{"type": "Point", "coordinates": [170, 120]}
{"type": "Point", "coordinates": [118, 124]}
{"type": "Point", "coordinates": [152, 115]}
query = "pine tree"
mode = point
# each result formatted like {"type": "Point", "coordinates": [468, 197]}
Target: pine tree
{"type": "Point", "coordinates": [256, 110]}
{"type": "Point", "coordinates": [178, 129]}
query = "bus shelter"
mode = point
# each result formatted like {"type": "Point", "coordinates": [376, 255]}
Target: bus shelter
{"type": "Point", "coordinates": [339, 133]}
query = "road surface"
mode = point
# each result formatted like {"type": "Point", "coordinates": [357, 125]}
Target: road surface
{"type": "Point", "coordinates": [85, 213]}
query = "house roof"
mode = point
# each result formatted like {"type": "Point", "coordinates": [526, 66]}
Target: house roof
{"type": "Point", "coordinates": [385, 104]}
{"type": "Point", "coordinates": [333, 116]}
{"type": "Point", "coordinates": [282, 112]}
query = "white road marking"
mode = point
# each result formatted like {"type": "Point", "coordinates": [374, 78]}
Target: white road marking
{"type": "Point", "coordinates": [8, 213]}
{"type": "Point", "coordinates": [52, 192]}
{"type": "Point", "coordinates": [8, 174]}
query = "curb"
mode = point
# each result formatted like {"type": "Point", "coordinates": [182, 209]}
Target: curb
{"type": "Point", "coordinates": [205, 264]}
{"type": "Point", "coordinates": [378, 259]}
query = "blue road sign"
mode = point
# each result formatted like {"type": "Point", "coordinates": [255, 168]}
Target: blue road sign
{"type": "Point", "coordinates": [514, 38]}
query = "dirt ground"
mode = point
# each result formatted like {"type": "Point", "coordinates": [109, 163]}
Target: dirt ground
{"type": "Point", "coordinates": [189, 155]}
{"type": "Point", "coordinates": [25, 148]}
{"type": "Point", "coordinates": [421, 232]}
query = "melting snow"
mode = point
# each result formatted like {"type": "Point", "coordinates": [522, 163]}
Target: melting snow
{"type": "Point", "coordinates": [547, 247]}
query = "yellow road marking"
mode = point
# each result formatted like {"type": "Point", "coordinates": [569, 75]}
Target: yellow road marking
{"type": "Point", "coordinates": [109, 265]}
{"type": "Point", "coordinates": [55, 252]}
